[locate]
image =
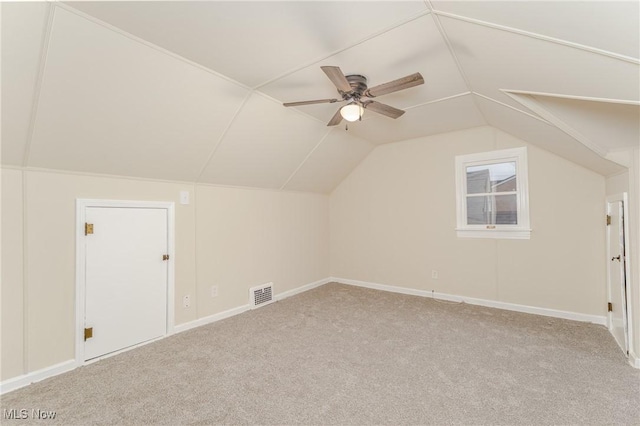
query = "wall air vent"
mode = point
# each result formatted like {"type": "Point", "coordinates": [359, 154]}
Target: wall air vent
{"type": "Point", "coordinates": [260, 295]}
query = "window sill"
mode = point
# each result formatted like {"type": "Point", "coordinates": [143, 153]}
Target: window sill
{"type": "Point", "coordinates": [507, 234]}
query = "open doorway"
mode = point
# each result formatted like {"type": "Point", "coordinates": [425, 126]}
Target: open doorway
{"type": "Point", "coordinates": [618, 271]}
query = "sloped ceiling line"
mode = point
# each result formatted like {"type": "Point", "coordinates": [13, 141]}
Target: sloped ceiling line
{"type": "Point", "coordinates": [435, 101]}
{"type": "Point", "coordinates": [44, 49]}
{"type": "Point", "coordinates": [365, 39]}
{"type": "Point", "coordinates": [511, 107]}
{"type": "Point", "coordinates": [222, 136]}
{"type": "Point", "coordinates": [297, 110]}
{"type": "Point", "coordinates": [452, 51]}
{"type": "Point", "coordinates": [539, 109]}
{"type": "Point", "coordinates": [148, 44]}
{"type": "Point", "coordinates": [322, 139]}
{"type": "Point", "coordinates": [574, 97]}
{"type": "Point", "coordinates": [539, 37]}
{"type": "Point", "coordinates": [305, 155]}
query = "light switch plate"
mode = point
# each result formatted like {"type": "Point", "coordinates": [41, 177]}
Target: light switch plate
{"type": "Point", "coordinates": [184, 197]}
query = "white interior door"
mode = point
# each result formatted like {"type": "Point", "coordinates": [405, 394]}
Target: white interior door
{"type": "Point", "coordinates": [617, 284]}
{"type": "Point", "coordinates": [125, 277]}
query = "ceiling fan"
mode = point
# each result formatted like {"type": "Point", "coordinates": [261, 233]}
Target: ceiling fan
{"type": "Point", "coordinates": [353, 89]}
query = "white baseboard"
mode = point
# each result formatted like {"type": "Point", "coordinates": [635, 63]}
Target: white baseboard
{"type": "Point", "coordinates": [26, 379]}
{"type": "Point", "coordinates": [634, 360]}
{"type": "Point", "coordinates": [302, 289]}
{"type": "Point", "coordinates": [240, 309]}
{"type": "Point", "coordinates": [36, 376]}
{"type": "Point", "coordinates": [596, 319]}
{"type": "Point", "coordinates": [210, 319]}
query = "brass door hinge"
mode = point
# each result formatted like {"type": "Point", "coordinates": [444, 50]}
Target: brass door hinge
{"type": "Point", "coordinates": [165, 257]}
{"type": "Point", "coordinates": [608, 219]}
{"type": "Point", "coordinates": [609, 307]}
{"type": "Point", "coordinates": [88, 228]}
{"type": "Point", "coordinates": [88, 333]}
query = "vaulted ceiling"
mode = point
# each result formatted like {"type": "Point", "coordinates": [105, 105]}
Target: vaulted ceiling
{"type": "Point", "coordinates": [193, 91]}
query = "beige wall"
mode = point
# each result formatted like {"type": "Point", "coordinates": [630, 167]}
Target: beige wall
{"type": "Point", "coordinates": [393, 222]}
{"type": "Point", "coordinates": [247, 238]}
{"type": "Point", "coordinates": [617, 184]}
{"type": "Point", "coordinates": [285, 227]}
{"type": "Point", "coordinates": [11, 293]}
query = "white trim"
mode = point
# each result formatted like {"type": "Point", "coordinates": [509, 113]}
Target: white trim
{"type": "Point", "coordinates": [69, 8]}
{"type": "Point", "coordinates": [240, 309]}
{"type": "Point", "coordinates": [512, 107]}
{"type": "Point", "coordinates": [222, 136]}
{"type": "Point", "coordinates": [574, 97]}
{"type": "Point", "coordinates": [81, 206]}
{"type": "Point", "coordinates": [26, 379]}
{"type": "Point", "coordinates": [119, 351]}
{"type": "Point", "coordinates": [538, 36]}
{"type": "Point", "coordinates": [322, 139]}
{"type": "Point", "coordinates": [506, 234]}
{"type": "Point", "coordinates": [575, 316]}
{"type": "Point", "coordinates": [435, 101]}
{"type": "Point", "coordinates": [35, 101]}
{"type": "Point", "coordinates": [342, 49]}
{"type": "Point", "coordinates": [296, 110]}
{"type": "Point", "coordinates": [634, 360]}
{"type": "Point", "coordinates": [210, 319]}
{"type": "Point", "coordinates": [36, 376]}
{"type": "Point", "coordinates": [535, 106]}
{"type": "Point", "coordinates": [445, 37]}
{"type": "Point", "coordinates": [143, 179]}
{"type": "Point", "coordinates": [302, 289]}
{"type": "Point", "coordinates": [520, 231]}
{"type": "Point", "coordinates": [627, 269]}
{"type": "Point", "coordinates": [452, 52]}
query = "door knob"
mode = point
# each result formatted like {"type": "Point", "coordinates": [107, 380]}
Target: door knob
{"type": "Point", "coordinates": [616, 258]}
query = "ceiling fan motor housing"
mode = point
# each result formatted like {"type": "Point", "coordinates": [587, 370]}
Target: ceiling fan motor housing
{"type": "Point", "coordinates": [358, 85]}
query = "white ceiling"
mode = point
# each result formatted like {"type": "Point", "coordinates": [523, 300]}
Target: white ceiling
{"type": "Point", "coordinates": [192, 91]}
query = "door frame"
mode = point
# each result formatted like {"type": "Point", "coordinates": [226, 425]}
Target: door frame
{"type": "Point", "coordinates": [81, 206]}
{"type": "Point", "coordinates": [623, 197]}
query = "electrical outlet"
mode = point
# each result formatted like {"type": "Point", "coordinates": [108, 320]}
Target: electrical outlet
{"type": "Point", "coordinates": [434, 274]}
{"type": "Point", "coordinates": [214, 291]}
{"type": "Point", "coordinates": [186, 301]}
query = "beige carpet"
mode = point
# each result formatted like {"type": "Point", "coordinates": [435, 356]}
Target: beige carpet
{"type": "Point", "coordinates": [347, 355]}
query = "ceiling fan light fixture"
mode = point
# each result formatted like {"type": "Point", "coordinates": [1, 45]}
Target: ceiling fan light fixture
{"type": "Point", "coordinates": [352, 112]}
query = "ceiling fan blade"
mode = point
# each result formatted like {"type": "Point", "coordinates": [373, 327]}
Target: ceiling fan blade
{"type": "Point", "coordinates": [337, 78]}
{"type": "Point", "coordinates": [383, 109]}
{"type": "Point", "coordinates": [317, 101]}
{"type": "Point", "coordinates": [395, 85]}
{"type": "Point", "coordinates": [336, 119]}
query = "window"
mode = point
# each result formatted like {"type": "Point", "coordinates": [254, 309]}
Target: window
{"type": "Point", "coordinates": [492, 198]}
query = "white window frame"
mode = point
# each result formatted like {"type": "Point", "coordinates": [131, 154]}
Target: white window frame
{"type": "Point", "coordinates": [520, 231]}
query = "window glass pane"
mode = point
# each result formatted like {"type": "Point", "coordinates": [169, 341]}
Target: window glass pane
{"type": "Point", "coordinates": [492, 210]}
{"type": "Point", "coordinates": [498, 177]}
